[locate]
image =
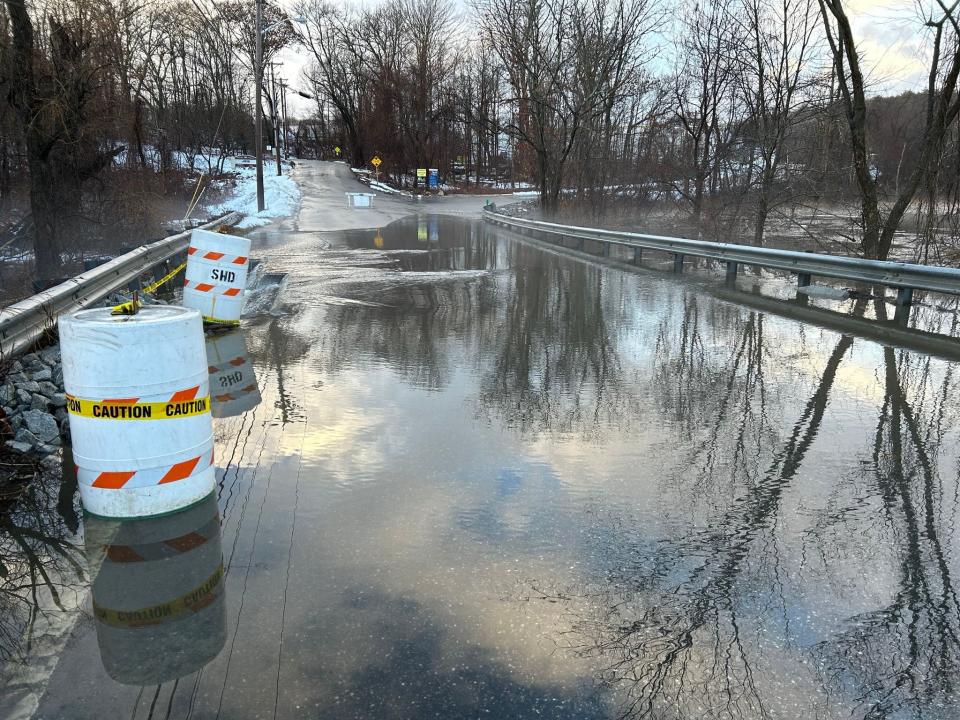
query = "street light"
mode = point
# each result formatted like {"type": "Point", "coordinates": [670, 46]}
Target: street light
{"type": "Point", "coordinates": [258, 72]}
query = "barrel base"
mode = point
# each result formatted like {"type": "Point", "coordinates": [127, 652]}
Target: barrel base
{"type": "Point", "coordinates": [148, 501]}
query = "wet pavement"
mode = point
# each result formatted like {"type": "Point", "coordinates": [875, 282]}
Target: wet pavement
{"type": "Point", "coordinates": [472, 477]}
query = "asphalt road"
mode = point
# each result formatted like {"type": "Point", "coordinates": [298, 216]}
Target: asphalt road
{"type": "Point", "coordinates": [324, 207]}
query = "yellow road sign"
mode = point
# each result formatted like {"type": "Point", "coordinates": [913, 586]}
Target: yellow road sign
{"type": "Point", "coordinates": [376, 161]}
{"type": "Point", "coordinates": [337, 150]}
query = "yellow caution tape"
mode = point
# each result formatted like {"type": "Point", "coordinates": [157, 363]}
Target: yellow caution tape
{"type": "Point", "coordinates": [166, 278]}
{"type": "Point", "coordinates": [216, 321]}
{"type": "Point", "coordinates": [106, 410]}
{"type": "Point", "coordinates": [127, 308]}
{"type": "Point", "coordinates": [193, 601]}
{"type": "Point", "coordinates": [131, 308]}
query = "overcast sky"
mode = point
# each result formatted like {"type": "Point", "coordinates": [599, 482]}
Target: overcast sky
{"type": "Point", "coordinates": [889, 33]}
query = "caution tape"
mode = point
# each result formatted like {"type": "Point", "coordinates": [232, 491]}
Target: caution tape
{"type": "Point", "coordinates": [123, 410]}
{"type": "Point", "coordinates": [217, 321]}
{"type": "Point", "coordinates": [130, 308]}
{"type": "Point", "coordinates": [165, 279]}
{"type": "Point", "coordinates": [193, 601]}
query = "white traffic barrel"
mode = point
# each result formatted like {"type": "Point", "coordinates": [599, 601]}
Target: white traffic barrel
{"type": "Point", "coordinates": [138, 398]}
{"type": "Point", "coordinates": [158, 593]}
{"type": "Point", "coordinates": [216, 276]}
{"type": "Point", "coordinates": [233, 382]}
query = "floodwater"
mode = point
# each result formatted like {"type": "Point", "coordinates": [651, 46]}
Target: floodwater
{"type": "Point", "coordinates": [471, 477]}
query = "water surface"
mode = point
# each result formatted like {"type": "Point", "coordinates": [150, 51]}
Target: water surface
{"type": "Point", "coordinates": [485, 479]}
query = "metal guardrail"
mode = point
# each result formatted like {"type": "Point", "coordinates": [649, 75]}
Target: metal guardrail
{"type": "Point", "coordinates": [22, 323]}
{"type": "Point", "coordinates": [906, 277]}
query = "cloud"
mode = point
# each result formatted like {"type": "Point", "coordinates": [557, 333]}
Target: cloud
{"type": "Point", "coordinates": [893, 42]}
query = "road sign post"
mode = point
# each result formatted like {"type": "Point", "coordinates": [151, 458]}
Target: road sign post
{"type": "Point", "coordinates": [376, 165]}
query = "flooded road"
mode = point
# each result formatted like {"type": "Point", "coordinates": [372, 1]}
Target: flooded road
{"type": "Point", "coordinates": [463, 476]}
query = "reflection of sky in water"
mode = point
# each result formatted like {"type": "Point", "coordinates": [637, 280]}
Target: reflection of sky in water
{"type": "Point", "coordinates": [481, 493]}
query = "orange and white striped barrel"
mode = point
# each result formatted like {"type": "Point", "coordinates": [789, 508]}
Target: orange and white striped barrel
{"type": "Point", "coordinates": [216, 277]}
{"type": "Point", "coordinates": [158, 593]}
{"type": "Point", "coordinates": [233, 382]}
{"type": "Point", "coordinates": [138, 397]}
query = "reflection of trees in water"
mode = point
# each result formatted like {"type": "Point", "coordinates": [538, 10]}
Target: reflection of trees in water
{"type": "Point", "coordinates": [677, 635]}
{"type": "Point", "coordinates": [426, 324]}
{"type": "Point", "coordinates": [539, 336]}
{"type": "Point", "coordinates": [280, 348]}
{"type": "Point", "coordinates": [688, 626]}
{"type": "Point", "coordinates": [41, 567]}
{"type": "Point", "coordinates": [717, 399]}
{"type": "Point", "coordinates": [556, 366]}
{"type": "Point", "coordinates": [903, 660]}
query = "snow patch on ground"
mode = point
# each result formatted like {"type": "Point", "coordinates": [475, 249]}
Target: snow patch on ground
{"type": "Point", "coordinates": [281, 196]}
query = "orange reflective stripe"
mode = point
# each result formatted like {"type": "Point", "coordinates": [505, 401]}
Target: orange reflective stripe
{"type": "Point", "coordinates": [184, 395]}
{"type": "Point", "coordinates": [232, 292]}
{"type": "Point", "coordinates": [239, 260]}
{"type": "Point", "coordinates": [204, 287]}
{"type": "Point", "coordinates": [179, 471]}
{"type": "Point", "coordinates": [187, 542]}
{"type": "Point", "coordinates": [191, 250]}
{"type": "Point", "coordinates": [112, 480]}
{"type": "Point", "coordinates": [123, 553]}
{"type": "Point", "coordinates": [212, 255]}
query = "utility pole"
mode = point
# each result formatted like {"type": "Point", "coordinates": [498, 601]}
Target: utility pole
{"type": "Point", "coordinates": [286, 128]}
{"type": "Point", "coordinates": [276, 118]}
{"type": "Point", "coordinates": [258, 78]}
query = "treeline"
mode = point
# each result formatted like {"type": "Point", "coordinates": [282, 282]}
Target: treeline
{"type": "Point", "coordinates": [730, 112]}
{"type": "Point", "coordinates": [106, 104]}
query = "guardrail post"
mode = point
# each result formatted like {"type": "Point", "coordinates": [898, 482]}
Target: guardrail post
{"type": "Point", "coordinates": [803, 279]}
{"type": "Point", "coordinates": [160, 270]}
{"type": "Point", "coordinates": [637, 255]}
{"type": "Point", "coordinates": [904, 297]}
{"type": "Point", "coordinates": [677, 262]}
{"type": "Point", "coordinates": [606, 249]}
{"type": "Point", "coordinates": [732, 269]}
{"type": "Point", "coordinates": [580, 245]}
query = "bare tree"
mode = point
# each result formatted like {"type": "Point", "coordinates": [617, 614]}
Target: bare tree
{"type": "Point", "coordinates": [52, 101]}
{"type": "Point", "coordinates": [704, 92]}
{"type": "Point", "coordinates": [778, 42]}
{"type": "Point", "coordinates": [563, 58]}
{"type": "Point", "coordinates": [879, 224]}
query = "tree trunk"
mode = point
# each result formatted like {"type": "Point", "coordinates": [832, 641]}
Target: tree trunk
{"type": "Point", "coordinates": [46, 208]}
{"type": "Point", "coordinates": [760, 222]}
